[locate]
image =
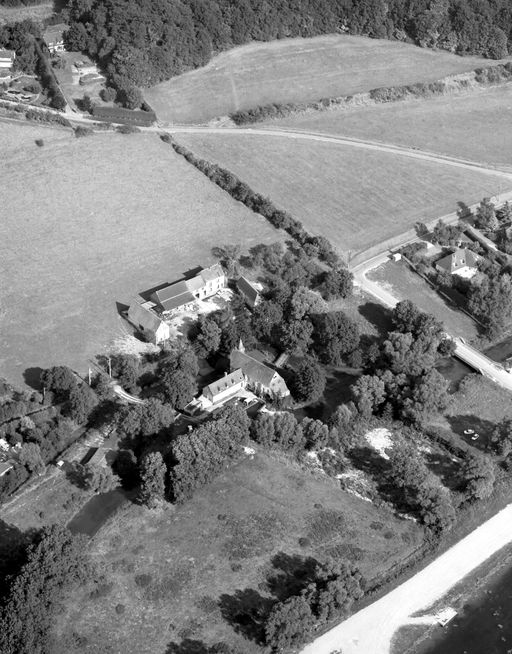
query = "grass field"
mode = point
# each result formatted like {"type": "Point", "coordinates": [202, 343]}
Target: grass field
{"type": "Point", "coordinates": [90, 222]}
{"type": "Point", "coordinates": [447, 124]}
{"type": "Point", "coordinates": [191, 572]}
{"type": "Point", "coordinates": [297, 70]}
{"type": "Point", "coordinates": [354, 197]}
{"type": "Point", "coordinates": [36, 12]}
{"type": "Point", "coordinates": [404, 284]}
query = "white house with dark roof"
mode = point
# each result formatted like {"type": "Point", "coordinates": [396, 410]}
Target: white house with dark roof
{"type": "Point", "coordinates": [7, 58]}
{"type": "Point", "coordinates": [151, 326]}
{"type": "Point", "coordinates": [249, 291]}
{"type": "Point", "coordinates": [462, 262]}
{"type": "Point", "coordinates": [54, 37]}
{"type": "Point", "coordinates": [182, 294]}
{"type": "Point", "coordinates": [257, 375]}
{"type": "Point", "coordinates": [225, 387]}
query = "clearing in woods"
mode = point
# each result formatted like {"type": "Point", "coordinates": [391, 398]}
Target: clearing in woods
{"type": "Point", "coordinates": [205, 571]}
{"type": "Point", "coordinates": [90, 222]}
{"type": "Point", "coordinates": [473, 125]}
{"type": "Point", "coordinates": [38, 12]}
{"type": "Point", "coordinates": [355, 197]}
{"type": "Point", "coordinates": [298, 70]}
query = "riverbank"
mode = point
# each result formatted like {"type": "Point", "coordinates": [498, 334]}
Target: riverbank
{"type": "Point", "coordinates": [371, 630]}
{"type": "Point", "coordinates": [479, 600]}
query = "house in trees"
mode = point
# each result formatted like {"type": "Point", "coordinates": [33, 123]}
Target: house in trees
{"type": "Point", "coordinates": [183, 294]}
{"type": "Point", "coordinates": [249, 291]}
{"type": "Point", "coordinates": [462, 262]}
{"type": "Point", "coordinates": [148, 323]}
{"type": "Point", "coordinates": [7, 58]}
{"type": "Point", "coordinates": [258, 377]}
{"type": "Point", "coordinates": [224, 388]}
{"type": "Point", "coordinates": [54, 37]}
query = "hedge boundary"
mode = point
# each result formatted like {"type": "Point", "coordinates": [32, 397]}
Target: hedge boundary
{"type": "Point", "coordinates": [256, 202]}
{"type": "Point", "coordinates": [479, 77]}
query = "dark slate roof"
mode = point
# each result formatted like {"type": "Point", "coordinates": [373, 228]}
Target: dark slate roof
{"type": "Point", "coordinates": [141, 316]}
{"type": "Point", "coordinates": [246, 288]}
{"type": "Point", "coordinates": [122, 115]}
{"type": "Point", "coordinates": [228, 381]}
{"type": "Point", "coordinates": [254, 370]}
{"type": "Point", "coordinates": [458, 259]}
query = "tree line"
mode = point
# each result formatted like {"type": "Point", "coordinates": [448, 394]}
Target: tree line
{"type": "Point", "coordinates": [144, 42]}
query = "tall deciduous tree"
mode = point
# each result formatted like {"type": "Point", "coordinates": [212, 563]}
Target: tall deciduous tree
{"type": "Point", "coordinates": [152, 476]}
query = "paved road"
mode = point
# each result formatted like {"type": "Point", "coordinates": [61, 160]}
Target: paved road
{"type": "Point", "coordinates": [463, 351]}
{"type": "Point", "coordinates": [370, 630]}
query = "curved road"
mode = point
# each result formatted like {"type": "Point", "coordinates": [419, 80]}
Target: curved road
{"type": "Point", "coordinates": [339, 140]}
{"type": "Point", "coordinates": [463, 351]}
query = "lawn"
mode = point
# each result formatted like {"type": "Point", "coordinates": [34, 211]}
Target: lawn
{"type": "Point", "coordinates": [297, 70]}
{"type": "Point", "coordinates": [354, 197]}
{"type": "Point", "coordinates": [404, 284]}
{"type": "Point", "coordinates": [194, 571]}
{"type": "Point", "coordinates": [446, 124]}
{"type": "Point", "coordinates": [88, 223]}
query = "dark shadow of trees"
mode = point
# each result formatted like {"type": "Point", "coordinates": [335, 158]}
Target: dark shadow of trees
{"type": "Point", "coordinates": [32, 377]}
{"type": "Point", "coordinates": [378, 316]}
{"type": "Point", "coordinates": [484, 429]}
{"type": "Point", "coordinates": [247, 610]}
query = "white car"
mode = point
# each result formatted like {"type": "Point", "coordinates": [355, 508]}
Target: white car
{"type": "Point", "coordinates": [467, 432]}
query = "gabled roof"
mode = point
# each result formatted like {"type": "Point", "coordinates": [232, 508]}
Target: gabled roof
{"type": "Point", "coordinates": [7, 54]}
{"type": "Point", "coordinates": [254, 370]}
{"type": "Point", "coordinates": [246, 288]}
{"type": "Point", "coordinates": [141, 316]}
{"type": "Point", "coordinates": [213, 272]}
{"type": "Point", "coordinates": [222, 384]}
{"type": "Point", "coordinates": [459, 259]}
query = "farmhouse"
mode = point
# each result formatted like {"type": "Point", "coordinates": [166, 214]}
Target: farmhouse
{"type": "Point", "coordinates": [151, 326]}
{"type": "Point", "coordinates": [257, 375]}
{"type": "Point", "coordinates": [54, 37]}
{"type": "Point", "coordinates": [462, 262]}
{"type": "Point", "coordinates": [224, 388]}
{"type": "Point", "coordinates": [249, 291]}
{"type": "Point", "coordinates": [181, 295]}
{"type": "Point", "coordinates": [7, 58]}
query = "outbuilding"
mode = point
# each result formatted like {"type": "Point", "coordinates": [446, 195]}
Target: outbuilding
{"type": "Point", "coordinates": [152, 327]}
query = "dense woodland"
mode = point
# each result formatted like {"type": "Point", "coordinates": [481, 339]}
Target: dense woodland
{"type": "Point", "coordinates": [144, 42]}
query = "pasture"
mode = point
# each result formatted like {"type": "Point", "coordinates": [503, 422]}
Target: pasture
{"type": "Point", "coordinates": [207, 571]}
{"type": "Point", "coordinates": [88, 223]}
{"type": "Point", "coordinates": [297, 70]}
{"type": "Point", "coordinates": [473, 125]}
{"type": "Point", "coordinates": [354, 197]}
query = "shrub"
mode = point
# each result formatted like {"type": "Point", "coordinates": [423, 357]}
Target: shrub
{"type": "Point", "coordinates": [81, 131]}
{"type": "Point", "coordinates": [39, 143]}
